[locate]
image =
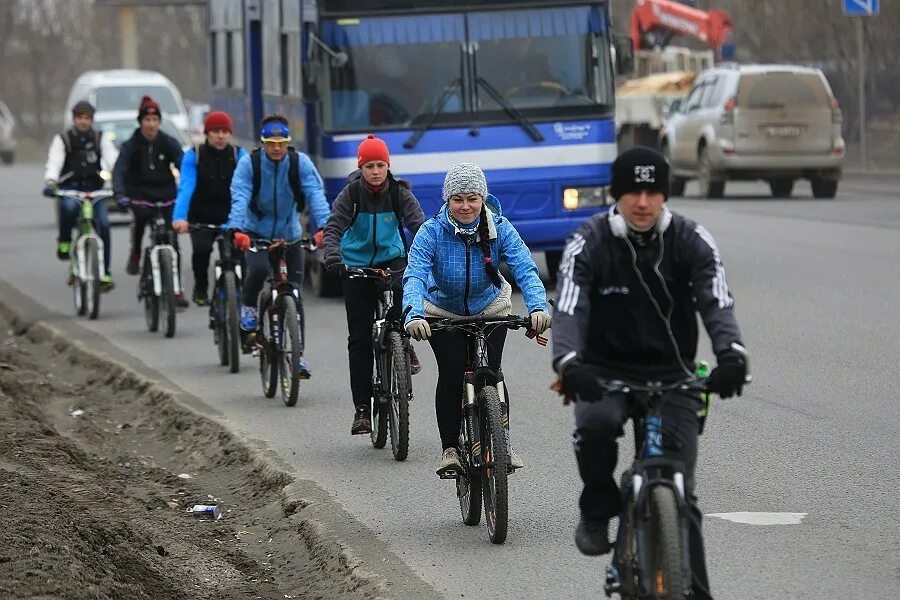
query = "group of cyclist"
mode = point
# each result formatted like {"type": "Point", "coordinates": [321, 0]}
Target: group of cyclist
{"type": "Point", "coordinates": [630, 284]}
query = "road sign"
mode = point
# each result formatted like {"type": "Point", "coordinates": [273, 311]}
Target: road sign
{"type": "Point", "coordinates": [860, 8]}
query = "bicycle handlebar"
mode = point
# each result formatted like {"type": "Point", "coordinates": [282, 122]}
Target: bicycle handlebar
{"type": "Point", "coordinates": [97, 195]}
{"type": "Point", "coordinates": [511, 321]}
{"type": "Point", "coordinates": [258, 244]}
{"type": "Point", "coordinates": [205, 227]}
{"type": "Point", "coordinates": [152, 204]}
{"type": "Point", "coordinates": [372, 273]}
{"type": "Point", "coordinates": [696, 384]}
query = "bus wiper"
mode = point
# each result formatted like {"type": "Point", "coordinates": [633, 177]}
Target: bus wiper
{"type": "Point", "coordinates": [511, 110]}
{"type": "Point", "coordinates": [430, 116]}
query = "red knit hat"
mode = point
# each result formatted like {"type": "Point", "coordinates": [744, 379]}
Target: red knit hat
{"type": "Point", "coordinates": [148, 107]}
{"type": "Point", "coordinates": [217, 120]}
{"type": "Point", "coordinates": [372, 148]}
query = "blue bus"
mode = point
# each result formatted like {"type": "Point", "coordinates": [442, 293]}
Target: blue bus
{"type": "Point", "coordinates": [523, 88]}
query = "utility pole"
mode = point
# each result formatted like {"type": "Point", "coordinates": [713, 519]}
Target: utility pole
{"type": "Point", "coordinates": [861, 77]}
{"type": "Point", "coordinates": [128, 37]}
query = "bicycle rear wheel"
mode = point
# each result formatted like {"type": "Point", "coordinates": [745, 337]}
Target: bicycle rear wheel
{"type": "Point", "coordinates": [289, 350]}
{"type": "Point", "coordinates": [496, 465]}
{"type": "Point", "coordinates": [665, 553]}
{"type": "Point", "coordinates": [232, 338]}
{"type": "Point", "coordinates": [468, 483]}
{"type": "Point", "coordinates": [380, 410]}
{"type": "Point", "coordinates": [92, 285]}
{"type": "Point", "coordinates": [219, 316]}
{"type": "Point", "coordinates": [626, 546]}
{"type": "Point", "coordinates": [167, 301]}
{"type": "Point", "coordinates": [151, 300]}
{"type": "Point", "coordinates": [268, 367]}
{"type": "Point", "coordinates": [79, 289]}
{"type": "Point", "coordinates": [399, 382]}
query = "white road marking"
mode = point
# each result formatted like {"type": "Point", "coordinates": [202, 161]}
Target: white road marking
{"type": "Point", "coordinates": [761, 518]}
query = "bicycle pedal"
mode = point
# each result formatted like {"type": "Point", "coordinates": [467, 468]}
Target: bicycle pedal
{"type": "Point", "coordinates": [448, 475]}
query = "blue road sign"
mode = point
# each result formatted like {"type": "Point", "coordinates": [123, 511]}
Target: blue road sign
{"type": "Point", "coordinates": [860, 8]}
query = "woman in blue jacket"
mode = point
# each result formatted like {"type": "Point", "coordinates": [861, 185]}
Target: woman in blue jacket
{"type": "Point", "coordinates": [452, 271]}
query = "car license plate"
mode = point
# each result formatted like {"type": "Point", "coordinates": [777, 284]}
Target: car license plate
{"type": "Point", "coordinates": [783, 131]}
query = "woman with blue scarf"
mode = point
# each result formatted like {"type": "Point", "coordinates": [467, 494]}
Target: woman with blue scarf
{"type": "Point", "coordinates": [452, 271]}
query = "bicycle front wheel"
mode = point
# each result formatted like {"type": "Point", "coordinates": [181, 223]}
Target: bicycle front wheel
{"type": "Point", "coordinates": [92, 285]}
{"type": "Point", "coordinates": [665, 553]}
{"type": "Point", "coordinates": [79, 289]}
{"type": "Point", "coordinates": [167, 301]}
{"type": "Point", "coordinates": [265, 340]}
{"type": "Point", "coordinates": [496, 465]}
{"type": "Point", "coordinates": [151, 300]}
{"type": "Point", "coordinates": [468, 483]}
{"type": "Point", "coordinates": [379, 413]}
{"type": "Point", "coordinates": [400, 379]}
{"type": "Point", "coordinates": [220, 330]}
{"type": "Point", "coordinates": [290, 350]}
{"type": "Point", "coordinates": [232, 338]}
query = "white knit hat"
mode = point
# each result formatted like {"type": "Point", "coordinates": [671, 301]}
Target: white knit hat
{"type": "Point", "coordinates": [465, 178]}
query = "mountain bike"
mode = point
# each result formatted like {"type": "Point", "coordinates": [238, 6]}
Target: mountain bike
{"type": "Point", "coordinates": [86, 265]}
{"type": "Point", "coordinates": [651, 558]}
{"type": "Point", "coordinates": [279, 335]}
{"type": "Point", "coordinates": [225, 306]}
{"type": "Point", "coordinates": [484, 445]}
{"type": "Point", "coordinates": [391, 377]}
{"type": "Point", "coordinates": [159, 282]}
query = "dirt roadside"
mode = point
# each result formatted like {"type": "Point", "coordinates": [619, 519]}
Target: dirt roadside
{"type": "Point", "coordinates": [97, 468]}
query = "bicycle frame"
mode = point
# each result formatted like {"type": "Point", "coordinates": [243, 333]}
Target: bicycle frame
{"type": "Point", "coordinates": [162, 242]}
{"type": "Point", "coordinates": [86, 231]}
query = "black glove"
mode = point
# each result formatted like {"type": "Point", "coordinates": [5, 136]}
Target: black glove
{"type": "Point", "coordinates": [727, 379]}
{"type": "Point", "coordinates": [581, 381]}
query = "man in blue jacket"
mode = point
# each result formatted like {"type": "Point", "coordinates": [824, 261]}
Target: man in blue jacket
{"type": "Point", "coordinates": [267, 204]}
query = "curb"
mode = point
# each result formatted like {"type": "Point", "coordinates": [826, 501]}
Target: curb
{"type": "Point", "coordinates": [309, 508]}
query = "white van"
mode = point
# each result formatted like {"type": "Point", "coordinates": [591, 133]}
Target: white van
{"type": "Point", "coordinates": [122, 89]}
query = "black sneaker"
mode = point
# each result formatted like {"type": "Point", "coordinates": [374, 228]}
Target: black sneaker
{"type": "Point", "coordinates": [592, 537]}
{"type": "Point", "coordinates": [200, 298]}
{"type": "Point", "coordinates": [180, 301]}
{"type": "Point", "coordinates": [133, 266]}
{"type": "Point", "coordinates": [362, 421]}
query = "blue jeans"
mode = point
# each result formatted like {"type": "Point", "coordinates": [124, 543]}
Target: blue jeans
{"type": "Point", "coordinates": [69, 209]}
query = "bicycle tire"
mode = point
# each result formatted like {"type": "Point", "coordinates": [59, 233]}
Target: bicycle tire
{"type": "Point", "coordinates": [92, 286]}
{"type": "Point", "coordinates": [151, 300]}
{"type": "Point", "coordinates": [626, 547]}
{"type": "Point", "coordinates": [289, 351]}
{"type": "Point", "coordinates": [664, 537]}
{"type": "Point", "coordinates": [220, 331]}
{"type": "Point", "coordinates": [379, 412]}
{"type": "Point", "coordinates": [268, 368]}
{"type": "Point", "coordinates": [468, 483]}
{"type": "Point", "coordinates": [400, 392]}
{"type": "Point", "coordinates": [79, 290]}
{"type": "Point", "coordinates": [232, 329]}
{"type": "Point", "coordinates": [493, 444]}
{"type": "Point", "coordinates": [167, 301]}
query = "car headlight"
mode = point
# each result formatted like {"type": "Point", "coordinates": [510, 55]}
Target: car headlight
{"type": "Point", "coordinates": [585, 197]}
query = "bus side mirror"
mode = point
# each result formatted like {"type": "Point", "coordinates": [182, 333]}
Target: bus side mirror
{"type": "Point", "coordinates": [624, 55]}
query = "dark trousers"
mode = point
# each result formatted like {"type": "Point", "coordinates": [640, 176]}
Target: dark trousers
{"type": "Point", "coordinates": [258, 269]}
{"type": "Point", "coordinates": [598, 424]}
{"type": "Point", "coordinates": [69, 208]}
{"type": "Point", "coordinates": [202, 241]}
{"type": "Point", "coordinates": [450, 351]}
{"type": "Point", "coordinates": [142, 216]}
{"type": "Point", "coordinates": [361, 300]}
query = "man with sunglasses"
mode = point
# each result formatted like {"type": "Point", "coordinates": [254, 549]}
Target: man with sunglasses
{"type": "Point", "coordinates": [269, 191]}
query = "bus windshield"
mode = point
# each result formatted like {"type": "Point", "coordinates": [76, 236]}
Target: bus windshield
{"type": "Point", "coordinates": [465, 68]}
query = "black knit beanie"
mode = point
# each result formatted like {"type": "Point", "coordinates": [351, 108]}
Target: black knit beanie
{"type": "Point", "coordinates": [639, 168]}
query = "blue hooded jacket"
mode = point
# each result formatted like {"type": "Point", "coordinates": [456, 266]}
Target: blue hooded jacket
{"type": "Point", "coordinates": [279, 219]}
{"type": "Point", "coordinates": [450, 273]}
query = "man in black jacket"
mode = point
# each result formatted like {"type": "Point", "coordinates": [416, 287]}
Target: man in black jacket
{"type": "Point", "coordinates": [144, 172]}
{"type": "Point", "coordinates": [631, 283]}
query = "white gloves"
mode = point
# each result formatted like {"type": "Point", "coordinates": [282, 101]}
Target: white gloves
{"type": "Point", "coordinates": [540, 321]}
{"type": "Point", "coordinates": [419, 329]}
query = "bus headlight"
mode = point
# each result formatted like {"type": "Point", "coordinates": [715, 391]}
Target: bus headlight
{"type": "Point", "coordinates": [585, 197]}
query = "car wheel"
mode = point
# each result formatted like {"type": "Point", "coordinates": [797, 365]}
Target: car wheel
{"type": "Point", "coordinates": [824, 188]}
{"type": "Point", "coordinates": [8, 157]}
{"type": "Point", "coordinates": [781, 188]}
{"type": "Point", "coordinates": [710, 187]}
{"type": "Point", "coordinates": [676, 183]}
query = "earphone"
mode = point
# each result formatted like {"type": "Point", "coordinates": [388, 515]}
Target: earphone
{"type": "Point", "coordinates": [619, 226]}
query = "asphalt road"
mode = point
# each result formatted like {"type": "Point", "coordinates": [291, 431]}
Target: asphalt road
{"type": "Point", "coordinates": [817, 285]}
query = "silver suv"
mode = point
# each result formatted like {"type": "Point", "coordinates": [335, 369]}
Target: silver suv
{"type": "Point", "coordinates": [778, 123]}
{"type": "Point", "coordinates": [7, 139]}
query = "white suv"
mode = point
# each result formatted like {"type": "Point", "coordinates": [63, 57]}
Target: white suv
{"type": "Point", "coordinates": [778, 123]}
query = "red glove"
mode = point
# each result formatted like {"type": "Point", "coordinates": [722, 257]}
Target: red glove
{"type": "Point", "coordinates": [241, 241]}
{"type": "Point", "coordinates": [319, 236]}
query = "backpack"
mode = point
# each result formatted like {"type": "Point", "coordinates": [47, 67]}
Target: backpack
{"type": "Point", "coordinates": [394, 190]}
{"type": "Point", "coordinates": [293, 180]}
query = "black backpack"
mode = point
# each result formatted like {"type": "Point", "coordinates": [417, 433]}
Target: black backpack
{"type": "Point", "coordinates": [293, 180]}
{"type": "Point", "coordinates": [394, 190]}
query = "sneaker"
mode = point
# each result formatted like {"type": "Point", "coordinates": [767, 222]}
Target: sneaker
{"type": "Point", "coordinates": [592, 537]}
{"type": "Point", "coordinates": [248, 318]}
{"type": "Point", "coordinates": [62, 250]}
{"type": "Point", "coordinates": [515, 461]}
{"type": "Point", "coordinates": [200, 298]}
{"type": "Point", "coordinates": [305, 372]}
{"type": "Point", "coordinates": [181, 301]}
{"type": "Point", "coordinates": [450, 463]}
{"type": "Point", "coordinates": [133, 266]}
{"type": "Point", "coordinates": [362, 421]}
{"type": "Point", "coordinates": [106, 283]}
{"type": "Point", "coordinates": [414, 365]}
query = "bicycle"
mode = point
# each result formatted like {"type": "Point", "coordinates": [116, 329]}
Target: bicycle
{"type": "Point", "coordinates": [278, 339]}
{"type": "Point", "coordinates": [651, 556]}
{"type": "Point", "coordinates": [484, 428]}
{"type": "Point", "coordinates": [159, 282]}
{"type": "Point", "coordinates": [391, 377]}
{"type": "Point", "coordinates": [86, 266]}
{"type": "Point", "coordinates": [224, 309]}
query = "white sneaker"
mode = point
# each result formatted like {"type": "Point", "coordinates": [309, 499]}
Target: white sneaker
{"type": "Point", "coordinates": [450, 462]}
{"type": "Point", "coordinates": [515, 461]}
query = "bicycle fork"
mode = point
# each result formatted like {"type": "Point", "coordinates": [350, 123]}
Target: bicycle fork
{"type": "Point", "coordinates": [81, 270]}
{"type": "Point", "coordinates": [470, 414]}
{"type": "Point", "coordinates": [156, 271]}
